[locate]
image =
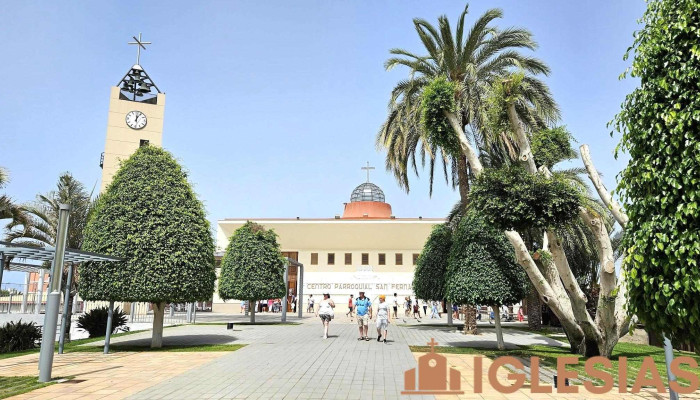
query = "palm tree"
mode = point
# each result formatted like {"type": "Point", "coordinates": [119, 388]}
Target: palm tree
{"type": "Point", "coordinates": [8, 208]}
{"type": "Point", "coordinates": [41, 224]}
{"type": "Point", "coordinates": [476, 60]}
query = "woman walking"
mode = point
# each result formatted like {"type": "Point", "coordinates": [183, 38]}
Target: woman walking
{"type": "Point", "coordinates": [325, 311]}
{"type": "Point", "coordinates": [383, 319]}
{"type": "Point", "coordinates": [435, 313]}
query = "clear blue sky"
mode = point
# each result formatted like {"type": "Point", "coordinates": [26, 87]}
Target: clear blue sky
{"type": "Point", "coordinates": [272, 106]}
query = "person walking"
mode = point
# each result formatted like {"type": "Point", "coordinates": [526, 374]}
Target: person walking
{"type": "Point", "coordinates": [521, 317]}
{"type": "Point", "coordinates": [492, 316]}
{"type": "Point", "coordinates": [434, 312]}
{"type": "Point", "coordinates": [395, 304]}
{"type": "Point", "coordinates": [416, 310]}
{"type": "Point", "coordinates": [383, 319]}
{"type": "Point", "coordinates": [325, 311]}
{"type": "Point", "coordinates": [350, 306]}
{"type": "Point", "coordinates": [425, 308]}
{"type": "Point", "coordinates": [407, 305]}
{"type": "Point", "coordinates": [363, 311]}
{"type": "Point", "coordinates": [310, 308]}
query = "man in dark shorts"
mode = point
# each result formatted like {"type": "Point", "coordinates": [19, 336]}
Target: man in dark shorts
{"type": "Point", "coordinates": [395, 304]}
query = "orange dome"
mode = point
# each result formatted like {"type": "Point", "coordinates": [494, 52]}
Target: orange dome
{"type": "Point", "coordinates": [367, 209]}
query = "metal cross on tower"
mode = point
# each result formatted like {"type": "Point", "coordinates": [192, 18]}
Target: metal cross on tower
{"type": "Point", "coordinates": [140, 44]}
{"type": "Point", "coordinates": [368, 168]}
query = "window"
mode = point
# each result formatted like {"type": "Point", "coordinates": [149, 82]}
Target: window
{"type": "Point", "coordinates": [314, 258]}
{"type": "Point", "coordinates": [348, 258]}
{"type": "Point", "coordinates": [365, 258]}
{"type": "Point", "coordinates": [415, 258]}
{"type": "Point", "coordinates": [399, 259]}
{"type": "Point", "coordinates": [331, 258]}
{"type": "Point", "coordinates": [143, 142]}
{"type": "Point", "coordinates": [382, 259]}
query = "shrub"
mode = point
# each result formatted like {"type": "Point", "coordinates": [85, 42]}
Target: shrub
{"type": "Point", "coordinates": [253, 267]}
{"type": "Point", "coordinates": [438, 98]}
{"type": "Point", "coordinates": [481, 267]}
{"type": "Point", "coordinates": [512, 199]}
{"type": "Point", "coordinates": [151, 218]}
{"type": "Point", "coordinates": [95, 321]}
{"type": "Point", "coordinates": [660, 186]}
{"type": "Point", "coordinates": [551, 146]}
{"type": "Point", "coordinates": [429, 276]}
{"type": "Point", "coordinates": [18, 336]}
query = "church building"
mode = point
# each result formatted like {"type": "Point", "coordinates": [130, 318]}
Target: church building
{"type": "Point", "coordinates": [366, 249]}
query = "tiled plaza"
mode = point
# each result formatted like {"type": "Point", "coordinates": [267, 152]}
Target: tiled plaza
{"type": "Point", "coordinates": [279, 362]}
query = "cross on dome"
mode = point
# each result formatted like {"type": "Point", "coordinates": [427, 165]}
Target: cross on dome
{"type": "Point", "coordinates": [368, 168]}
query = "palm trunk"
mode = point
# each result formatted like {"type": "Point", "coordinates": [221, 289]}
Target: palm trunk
{"type": "Point", "coordinates": [469, 312]}
{"type": "Point", "coordinates": [534, 310]}
{"type": "Point", "coordinates": [158, 316]}
{"type": "Point", "coordinates": [499, 331]}
{"type": "Point", "coordinates": [463, 175]}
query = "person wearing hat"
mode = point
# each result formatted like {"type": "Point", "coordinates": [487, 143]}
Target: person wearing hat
{"type": "Point", "coordinates": [325, 311]}
{"type": "Point", "coordinates": [383, 319]}
{"type": "Point", "coordinates": [363, 311]}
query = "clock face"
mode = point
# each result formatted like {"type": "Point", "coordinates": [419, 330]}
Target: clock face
{"type": "Point", "coordinates": [136, 119]}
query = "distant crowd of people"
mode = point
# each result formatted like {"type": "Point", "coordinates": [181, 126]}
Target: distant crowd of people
{"type": "Point", "coordinates": [362, 309]}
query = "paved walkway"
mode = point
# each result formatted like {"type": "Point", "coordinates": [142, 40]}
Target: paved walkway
{"type": "Point", "coordinates": [280, 362]}
{"type": "Point", "coordinates": [99, 376]}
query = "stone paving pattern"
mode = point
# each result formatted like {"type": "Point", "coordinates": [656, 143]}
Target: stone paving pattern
{"type": "Point", "coordinates": [279, 362]}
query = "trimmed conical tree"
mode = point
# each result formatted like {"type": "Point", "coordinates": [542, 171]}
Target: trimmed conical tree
{"type": "Point", "coordinates": [150, 217]}
{"type": "Point", "coordinates": [429, 275]}
{"type": "Point", "coordinates": [252, 268]}
{"type": "Point", "coordinates": [482, 270]}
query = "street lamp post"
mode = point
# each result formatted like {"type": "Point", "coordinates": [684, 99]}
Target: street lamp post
{"type": "Point", "coordinates": [53, 300]}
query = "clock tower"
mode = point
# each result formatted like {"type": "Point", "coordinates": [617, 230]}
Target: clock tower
{"type": "Point", "coordinates": [136, 110]}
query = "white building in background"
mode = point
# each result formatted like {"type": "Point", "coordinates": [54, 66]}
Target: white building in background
{"type": "Point", "coordinates": [366, 248]}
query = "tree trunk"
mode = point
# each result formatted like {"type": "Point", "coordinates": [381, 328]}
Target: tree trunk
{"type": "Point", "coordinates": [552, 294]}
{"type": "Point", "coordinates": [620, 216]}
{"type": "Point", "coordinates": [499, 331]}
{"type": "Point", "coordinates": [252, 311]}
{"type": "Point", "coordinates": [463, 175]}
{"type": "Point", "coordinates": [534, 310]}
{"type": "Point", "coordinates": [469, 312]}
{"type": "Point", "coordinates": [547, 283]}
{"type": "Point", "coordinates": [467, 149]}
{"type": "Point", "coordinates": [606, 314]}
{"type": "Point", "coordinates": [158, 315]}
{"type": "Point", "coordinates": [525, 155]}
